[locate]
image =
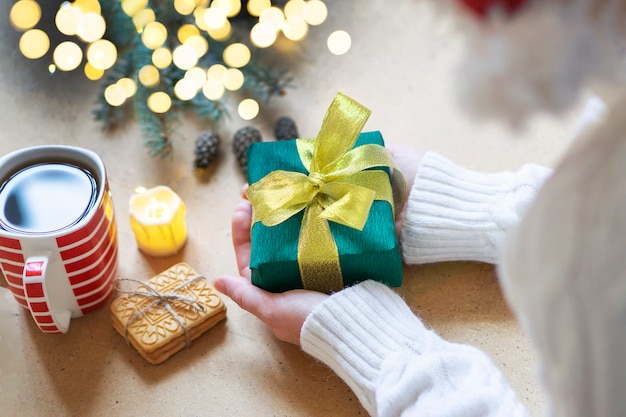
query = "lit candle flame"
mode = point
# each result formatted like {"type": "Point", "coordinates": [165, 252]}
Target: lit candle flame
{"type": "Point", "coordinates": [156, 209]}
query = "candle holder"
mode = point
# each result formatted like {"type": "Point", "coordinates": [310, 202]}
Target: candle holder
{"type": "Point", "coordinates": [157, 217]}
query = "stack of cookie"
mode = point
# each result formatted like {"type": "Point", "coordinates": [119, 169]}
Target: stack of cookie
{"type": "Point", "coordinates": [164, 315]}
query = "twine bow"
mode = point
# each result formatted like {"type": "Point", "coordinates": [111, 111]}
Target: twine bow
{"type": "Point", "coordinates": [165, 300]}
{"type": "Point", "coordinates": [339, 187]}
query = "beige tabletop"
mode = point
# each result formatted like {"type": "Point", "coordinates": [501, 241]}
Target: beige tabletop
{"type": "Point", "coordinates": [402, 65]}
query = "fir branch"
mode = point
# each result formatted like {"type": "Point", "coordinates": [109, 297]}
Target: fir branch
{"type": "Point", "coordinates": [120, 29]}
{"type": "Point", "coordinates": [266, 81]}
{"type": "Point", "coordinates": [159, 134]}
{"type": "Point", "coordinates": [113, 116]}
{"type": "Point", "coordinates": [160, 130]}
{"type": "Point", "coordinates": [213, 110]}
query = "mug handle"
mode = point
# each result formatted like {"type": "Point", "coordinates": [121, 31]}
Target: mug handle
{"type": "Point", "coordinates": [49, 320]}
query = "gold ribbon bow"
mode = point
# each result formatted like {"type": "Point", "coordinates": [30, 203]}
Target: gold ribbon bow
{"type": "Point", "coordinates": [339, 187]}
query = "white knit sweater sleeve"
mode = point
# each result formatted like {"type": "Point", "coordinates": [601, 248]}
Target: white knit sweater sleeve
{"type": "Point", "coordinates": [456, 214]}
{"type": "Point", "coordinates": [397, 367]}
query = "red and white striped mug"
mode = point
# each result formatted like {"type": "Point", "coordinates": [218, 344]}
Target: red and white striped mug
{"type": "Point", "coordinates": [58, 236]}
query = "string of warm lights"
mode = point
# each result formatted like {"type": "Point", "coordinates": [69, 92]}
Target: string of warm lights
{"type": "Point", "coordinates": [205, 23]}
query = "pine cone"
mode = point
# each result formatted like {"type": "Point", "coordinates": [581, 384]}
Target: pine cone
{"type": "Point", "coordinates": [285, 128]}
{"type": "Point", "coordinates": [207, 146]}
{"type": "Point", "coordinates": [241, 141]}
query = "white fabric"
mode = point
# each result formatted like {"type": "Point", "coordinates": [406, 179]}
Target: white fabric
{"type": "Point", "coordinates": [397, 367]}
{"type": "Point", "coordinates": [564, 273]}
{"type": "Point", "coordinates": [456, 214]}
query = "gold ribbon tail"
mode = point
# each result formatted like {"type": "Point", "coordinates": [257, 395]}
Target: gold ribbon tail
{"type": "Point", "coordinates": [318, 256]}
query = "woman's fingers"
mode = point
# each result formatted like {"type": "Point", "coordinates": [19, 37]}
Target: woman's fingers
{"type": "Point", "coordinates": [241, 223]}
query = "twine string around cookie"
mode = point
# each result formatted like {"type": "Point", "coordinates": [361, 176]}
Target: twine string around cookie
{"type": "Point", "coordinates": [165, 300]}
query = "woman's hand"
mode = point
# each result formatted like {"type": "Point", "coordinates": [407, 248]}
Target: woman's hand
{"type": "Point", "coordinates": [283, 313]}
{"type": "Point", "coordinates": [408, 160]}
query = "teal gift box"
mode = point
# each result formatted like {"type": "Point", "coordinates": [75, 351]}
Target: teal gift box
{"type": "Point", "coordinates": [371, 253]}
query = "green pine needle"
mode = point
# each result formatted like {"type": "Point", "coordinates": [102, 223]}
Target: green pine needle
{"type": "Point", "coordinates": [161, 130]}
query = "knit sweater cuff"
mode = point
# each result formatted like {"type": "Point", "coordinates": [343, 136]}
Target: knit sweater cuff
{"type": "Point", "coordinates": [456, 214]}
{"type": "Point", "coordinates": [339, 333]}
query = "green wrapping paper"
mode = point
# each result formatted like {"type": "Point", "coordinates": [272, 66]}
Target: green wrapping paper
{"type": "Point", "coordinates": [371, 253]}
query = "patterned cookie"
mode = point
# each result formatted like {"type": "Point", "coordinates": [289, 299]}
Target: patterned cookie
{"type": "Point", "coordinates": [154, 316]}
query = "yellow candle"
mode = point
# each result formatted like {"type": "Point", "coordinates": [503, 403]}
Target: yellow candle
{"type": "Point", "coordinates": [157, 217]}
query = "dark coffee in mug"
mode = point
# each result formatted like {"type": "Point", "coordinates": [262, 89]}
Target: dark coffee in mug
{"type": "Point", "coordinates": [46, 197]}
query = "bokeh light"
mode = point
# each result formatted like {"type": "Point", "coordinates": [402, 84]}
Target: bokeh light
{"type": "Point", "coordinates": [184, 7]}
{"type": "Point", "coordinates": [213, 89]}
{"type": "Point", "coordinates": [142, 18]}
{"type": "Point", "coordinates": [256, 7]}
{"type": "Point", "coordinates": [149, 76]}
{"type": "Point", "coordinates": [66, 18]}
{"type": "Point", "coordinates": [248, 109]}
{"type": "Point", "coordinates": [295, 28]}
{"type": "Point", "coordinates": [92, 73]}
{"type": "Point", "coordinates": [159, 102]}
{"type": "Point", "coordinates": [184, 57]}
{"type": "Point", "coordinates": [233, 79]}
{"type": "Point", "coordinates": [162, 58]}
{"type": "Point", "coordinates": [216, 72]}
{"type": "Point", "coordinates": [197, 76]}
{"type": "Point", "coordinates": [129, 86]}
{"type": "Point", "coordinates": [102, 54]}
{"type": "Point", "coordinates": [131, 7]}
{"type": "Point", "coordinates": [214, 18]}
{"type": "Point", "coordinates": [88, 6]}
{"type": "Point", "coordinates": [339, 42]}
{"type": "Point", "coordinates": [90, 27]}
{"type": "Point", "coordinates": [198, 17]}
{"type": "Point", "coordinates": [220, 34]}
{"type": "Point", "coordinates": [154, 35]}
{"type": "Point", "coordinates": [315, 12]}
{"type": "Point", "coordinates": [236, 55]}
{"type": "Point", "coordinates": [25, 14]}
{"type": "Point", "coordinates": [199, 44]}
{"type": "Point", "coordinates": [295, 8]}
{"type": "Point", "coordinates": [230, 7]}
{"type": "Point", "coordinates": [263, 34]}
{"type": "Point", "coordinates": [34, 43]}
{"type": "Point", "coordinates": [273, 16]}
{"type": "Point", "coordinates": [187, 30]}
{"type": "Point", "coordinates": [114, 95]}
{"type": "Point", "coordinates": [185, 89]}
{"type": "Point", "coordinates": [67, 56]}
